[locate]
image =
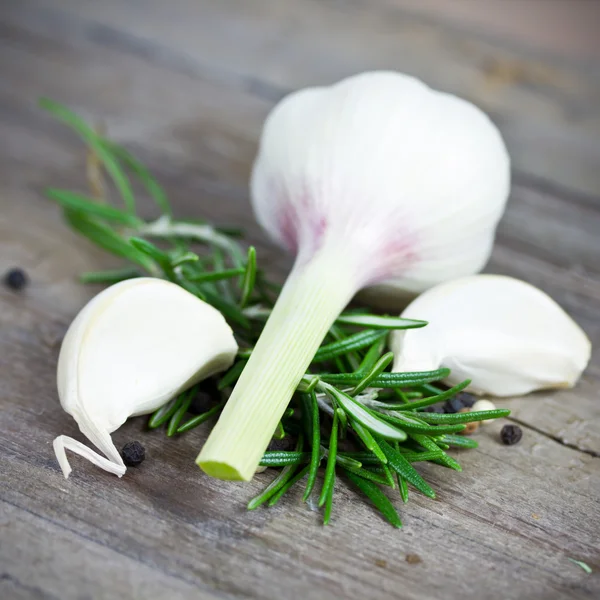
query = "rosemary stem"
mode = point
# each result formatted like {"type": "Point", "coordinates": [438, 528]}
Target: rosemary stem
{"type": "Point", "coordinates": [313, 296]}
{"type": "Point", "coordinates": [164, 227]}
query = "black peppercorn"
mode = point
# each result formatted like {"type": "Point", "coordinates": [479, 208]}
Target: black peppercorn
{"type": "Point", "coordinates": [453, 405]}
{"type": "Point", "coordinates": [16, 279]}
{"type": "Point", "coordinates": [133, 454]}
{"type": "Point", "coordinates": [511, 434]}
{"type": "Point", "coordinates": [467, 399]}
{"type": "Point", "coordinates": [461, 400]}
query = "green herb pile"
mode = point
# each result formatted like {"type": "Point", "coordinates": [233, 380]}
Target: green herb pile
{"type": "Point", "coordinates": [350, 416]}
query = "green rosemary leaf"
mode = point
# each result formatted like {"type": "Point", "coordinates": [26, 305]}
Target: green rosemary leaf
{"type": "Point", "coordinates": [152, 251]}
{"type": "Point", "coordinates": [364, 417]}
{"type": "Point", "coordinates": [223, 286]}
{"type": "Point", "coordinates": [152, 186]}
{"type": "Point", "coordinates": [186, 257]}
{"type": "Point", "coordinates": [113, 276]}
{"type": "Point", "coordinates": [91, 207]}
{"type": "Point", "coordinates": [431, 390]}
{"type": "Point", "coordinates": [180, 412]}
{"type": "Point", "coordinates": [432, 455]}
{"type": "Point", "coordinates": [347, 461]}
{"type": "Point", "coordinates": [388, 476]}
{"type": "Point", "coordinates": [343, 422]}
{"type": "Point", "coordinates": [306, 415]}
{"type": "Point", "coordinates": [293, 481]}
{"type": "Point", "coordinates": [403, 487]}
{"type": "Point", "coordinates": [369, 441]}
{"type": "Point", "coordinates": [231, 376]}
{"type": "Point", "coordinates": [249, 277]}
{"type": "Point", "coordinates": [375, 371]}
{"type": "Point", "coordinates": [379, 322]}
{"type": "Point", "coordinates": [460, 441]}
{"type": "Point", "coordinates": [95, 142]}
{"type": "Point", "coordinates": [364, 458]}
{"type": "Point", "coordinates": [349, 344]}
{"type": "Point", "coordinates": [370, 475]}
{"type": "Point", "coordinates": [199, 419]}
{"type": "Point", "coordinates": [397, 462]}
{"type": "Point", "coordinates": [279, 432]}
{"type": "Point", "coordinates": [284, 476]}
{"type": "Point", "coordinates": [330, 467]}
{"type": "Point", "coordinates": [385, 380]}
{"type": "Point", "coordinates": [466, 417]}
{"type": "Point", "coordinates": [308, 383]}
{"type": "Point", "coordinates": [352, 358]}
{"type": "Point", "coordinates": [280, 458]}
{"type": "Point", "coordinates": [430, 445]}
{"type": "Point", "coordinates": [329, 501]}
{"type": "Point", "coordinates": [372, 356]}
{"type": "Point", "coordinates": [442, 445]}
{"type": "Point", "coordinates": [412, 425]}
{"type": "Point", "coordinates": [377, 497]}
{"type": "Point", "coordinates": [315, 460]}
{"type": "Point", "coordinates": [442, 397]}
{"type": "Point", "coordinates": [105, 237]}
{"type": "Point", "coordinates": [165, 412]}
{"type": "Point", "coordinates": [214, 275]}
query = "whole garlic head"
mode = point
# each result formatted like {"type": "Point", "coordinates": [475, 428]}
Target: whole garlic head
{"type": "Point", "coordinates": [411, 181]}
{"type": "Point", "coordinates": [507, 336]}
{"type": "Point", "coordinates": [132, 348]}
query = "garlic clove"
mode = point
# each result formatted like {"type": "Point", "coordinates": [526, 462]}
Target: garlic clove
{"type": "Point", "coordinates": [131, 349]}
{"type": "Point", "coordinates": [507, 336]}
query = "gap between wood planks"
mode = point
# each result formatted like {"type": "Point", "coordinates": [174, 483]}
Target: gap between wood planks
{"type": "Point", "coordinates": [554, 438]}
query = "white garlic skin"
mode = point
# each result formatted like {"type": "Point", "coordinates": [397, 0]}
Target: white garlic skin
{"type": "Point", "coordinates": [132, 348]}
{"type": "Point", "coordinates": [507, 336]}
{"type": "Point", "coordinates": [411, 181]}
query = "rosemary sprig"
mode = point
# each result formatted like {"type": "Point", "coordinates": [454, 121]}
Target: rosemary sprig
{"type": "Point", "coordinates": [367, 421]}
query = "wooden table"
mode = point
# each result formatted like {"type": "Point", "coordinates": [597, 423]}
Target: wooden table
{"type": "Point", "coordinates": [186, 84]}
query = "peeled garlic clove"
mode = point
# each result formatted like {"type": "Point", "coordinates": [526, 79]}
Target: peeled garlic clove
{"type": "Point", "coordinates": [507, 336]}
{"type": "Point", "coordinates": [131, 349]}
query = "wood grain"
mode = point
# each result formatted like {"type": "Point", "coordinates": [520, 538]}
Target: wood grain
{"type": "Point", "coordinates": [186, 85]}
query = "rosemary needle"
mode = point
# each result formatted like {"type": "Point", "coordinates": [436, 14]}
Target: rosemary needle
{"type": "Point", "coordinates": [165, 412]}
{"type": "Point", "coordinates": [199, 419]}
{"type": "Point", "coordinates": [316, 445]}
{"type": "Point", "coordinates": [180, 412]}
{"type": "Point", "coordinates": [329, 501]}
{"type": "Point", "coordinates": [377, 497]}
{"type": "Point", "coordinates": [331, 460]}
{"type": "Point", "coordinates": [284, 476]}
{"type": "Point", "coordinates": [276, 497]}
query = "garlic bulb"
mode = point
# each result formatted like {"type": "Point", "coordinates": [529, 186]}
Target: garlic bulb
{"type": "Point", "coordinates": [505, 335]}
{"type": "Point", "coordinates": [377, 179]}
{"type": "Point", "coordinates": [131, 349]}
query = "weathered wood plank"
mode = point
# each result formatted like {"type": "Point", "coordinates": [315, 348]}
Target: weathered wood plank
{"type": "Point", "coordinates": [268, 50]}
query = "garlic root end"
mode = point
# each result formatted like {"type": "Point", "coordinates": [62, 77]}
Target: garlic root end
{"type": "Point", "coordinates": [63, 443]}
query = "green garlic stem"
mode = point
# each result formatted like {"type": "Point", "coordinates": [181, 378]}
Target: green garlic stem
{"type": "Point", "coordinates": [312, 298]}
